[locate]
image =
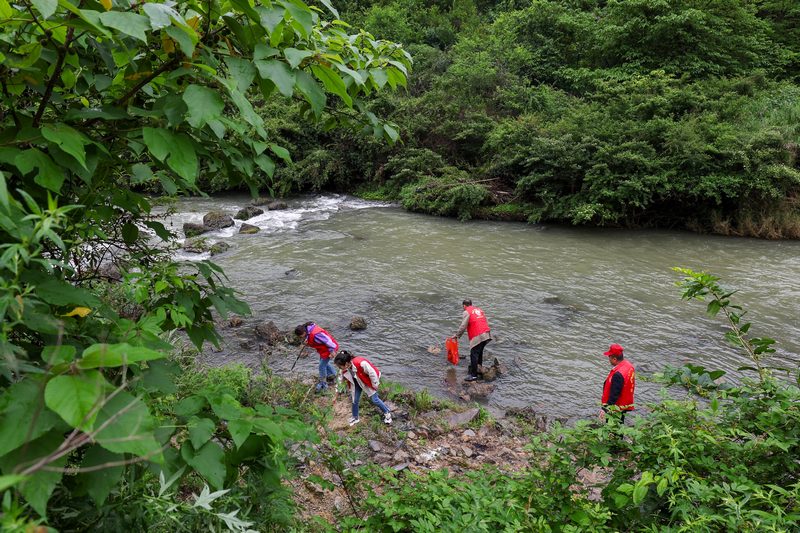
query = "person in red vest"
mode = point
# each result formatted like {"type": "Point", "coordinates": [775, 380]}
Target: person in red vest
{"type": "Point", "coordinates": [474, 322]}
{"type": "Point", "coordinates": [361, 375]}
{"type": "Point", "coordinates": [325, 345]}
{"type": "Point", "coordinates": [619, 385]}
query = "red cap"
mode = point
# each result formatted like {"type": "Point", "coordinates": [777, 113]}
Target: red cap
{"type": "Point", "coordinates": [614, 349]}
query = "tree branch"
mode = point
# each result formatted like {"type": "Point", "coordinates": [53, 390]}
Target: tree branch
{"type": "Point", "coordinates": [51, 83]}
{"type": "Point", "coordinates": [160, 70]}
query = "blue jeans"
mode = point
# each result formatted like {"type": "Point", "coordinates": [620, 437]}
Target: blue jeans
{"type": "Point", "coordinates": [325, 369]}
{"type": "Point", "coordinates": [377, 401]}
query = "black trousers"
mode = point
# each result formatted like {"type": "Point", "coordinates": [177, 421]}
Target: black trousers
{"type": "Point", "coordinates": [476, 357]}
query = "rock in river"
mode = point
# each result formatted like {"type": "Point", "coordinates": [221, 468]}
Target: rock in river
{"type": "Point", "coordinates": [217, 220]}
{"type": "Point", "coordinates": [249, 229]}
{"type": "Point", "coordinates": [248, 212]}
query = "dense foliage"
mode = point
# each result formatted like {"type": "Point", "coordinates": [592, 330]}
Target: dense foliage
{"type": "Point", "coordinates": [669, 113]}
{"type": "Point", "coordinates": [100, 101]}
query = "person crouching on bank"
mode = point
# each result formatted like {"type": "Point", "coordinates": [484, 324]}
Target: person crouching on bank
{"type": "Point", "coordinates": [361, 375]}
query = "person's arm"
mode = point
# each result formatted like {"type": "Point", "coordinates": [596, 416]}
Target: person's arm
{"type": "Point", "coordinates": [373, 376]}
{"type": "Point", "coordinates": [326, 340]}
{"type": "Point", "coordinates": [463, 327]}
{"type": "Point", "coordinates": [617, 382]}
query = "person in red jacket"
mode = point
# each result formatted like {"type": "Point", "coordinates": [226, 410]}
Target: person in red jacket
{"type": "Point", "coordinates": [474, 322]}
{"type": "Point", "coordinates": [325, 345]}
{"type": "Point", "coordinates": [619, 385]}
{"type": "Point", "coordinates": [361, 375]}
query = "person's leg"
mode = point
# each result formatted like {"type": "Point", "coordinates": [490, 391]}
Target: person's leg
{"type": "Point", "coordinates": [356, 399]}
{"type": "Point", "coordinates": [330, 371]}
{"type": "Point", "coordinates": [480, 348]}
{"type": "Point", "coordinates": [473, 361]}
{"type": "Point", "coordinates": [377, 401]}
{"type": "Point", "coordinates": [323, 363]}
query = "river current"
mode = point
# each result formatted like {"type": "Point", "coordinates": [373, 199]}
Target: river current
{"type": "Point", "coordinates": [555, 297]}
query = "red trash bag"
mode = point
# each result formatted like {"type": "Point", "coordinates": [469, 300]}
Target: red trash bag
{"type": "Point", "coordinates": [452, 350]}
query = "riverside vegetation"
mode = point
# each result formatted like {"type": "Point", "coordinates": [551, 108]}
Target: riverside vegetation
{"type": "Point", "coordinates": [669, 113]}
{"type": "Point", "coordinates": [106, 424]}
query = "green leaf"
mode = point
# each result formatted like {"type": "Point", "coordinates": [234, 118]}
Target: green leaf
{"type": "Point", "coordinates": [76, 398]}
{"type": "Point", "coordinates": [241, 71]}
{"type": "Point", "coordinates": [45, 7]}
{"type": "Point", "coordinates": [38, 487]}
{"type": "Point", "coordinates": [160, 376]}
{"type": "Point", "coordinates": [6, 12]}
{"type": "Point", "coordinates": [128, 23]}
{"type": "Point", "coordinates": [161, 15]}
{"type": "Point", "coordinates": [279, 73]}
{"type": "Point", "coordinates": [266, 164]}
{"type": "Point", "coordinates": [59, 292]}
{"type": "Point", "coordinates": [54, 355]}
{"type": "Point", "coordinates": [130, 233]}
{"type": "Point", "coordinates": [311, 91]}
{"type": "Point", "coordinates": [225, 406]}
{"type": "Point", "coordinates": [333, 82]}
{"type": "Point", "coordinates": [177, 149]}
{"type": "Point", "coordinates": [240, 430]}
{"type": "Point", "coordinates": [200, 431]}
{"type": "Point", "coordinates": [281, 152]}
{"type": "Point", "coordinates": [330, 7]}
{"type": "Point", "coordinates": [662, 486]}
{"type": "Point", "coordinates": [7, 482]}
{"type": "Point", "coordinates": [391, 133]}
{"type": "Point", "coordinates": [67, 139]}
{"type": "Point", "coordinates": [209, 462]}
{"type": "Point", "coordinates": [379, 76]}
{"type": "Point", "coordinates": [190, 406]}
{"type": "Point", "coordinates": [50, 176]}
{"type": "Point", "coordinates": [302, 14]}
{"type": "Point", "coordinates": [295, 56]}
{"type": "Point", "coordinates": [130, 427]}
{"type": "Point", "coordinates": [19, 406]}
{"type": "Point", "coordinates": [99, 483]}
{"type": "Point", "coordinates": [114, 355]}
{"type": "Point", "coordinates": [186, 38]}
{"type": "Point", "coordinates": [640, 492]}
{"type": "Point", "coordinates": [204, 105]}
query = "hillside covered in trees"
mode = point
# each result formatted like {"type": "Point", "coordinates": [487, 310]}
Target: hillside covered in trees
{"type": "Point", "coordinates": [669, 113]}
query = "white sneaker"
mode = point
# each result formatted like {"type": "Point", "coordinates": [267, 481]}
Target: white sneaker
{"type": "Point", "coordinates": [354, 421]}
{"type": "Point", "coordinates": [387, 418]}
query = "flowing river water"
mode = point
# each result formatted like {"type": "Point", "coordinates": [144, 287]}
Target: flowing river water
{"type": "Point", "coordinates": [556, 297]}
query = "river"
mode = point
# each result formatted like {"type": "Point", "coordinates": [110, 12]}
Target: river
{"type": "Point", "coordinates": [556, 297]}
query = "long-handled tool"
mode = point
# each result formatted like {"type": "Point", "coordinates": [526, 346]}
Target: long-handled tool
{"type": "Point", "coordinates": [303, 347]}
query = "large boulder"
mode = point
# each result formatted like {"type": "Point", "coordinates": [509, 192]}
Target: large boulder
{"type": "Point", "coordinates": [248, 229]}
{"type": "Point", "coordinates": [192, 229]}
{"type": "Point", "coordinates": [217, 220]}
{"type": "Point", "coordinates": [277, 205]}
{"type": "Point", "coordinates": [248, 212]}
{"type": "Point", "coordinates": [269, 332]}
{"type": "Point", "coordinates": [219, 247]}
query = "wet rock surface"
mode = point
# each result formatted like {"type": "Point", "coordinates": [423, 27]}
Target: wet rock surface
{"type": "Point", "coordinates": [248, 229]}
{"type": "Point", "coordinates": [358, 323]}
{"type": "Point", "coordinates": [217, 220]}
{"type": "Point", "coordinates": [248, 212]}
{"type": "Point", "coordinates": [192, 229]}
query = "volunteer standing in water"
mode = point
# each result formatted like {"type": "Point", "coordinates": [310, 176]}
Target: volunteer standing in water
{"type": "Point", "coordinates": [474, 322]}
{"type": "Point", "coordinates": [361, 375]}
{"type": "Point", "coordinates": [325, 345]}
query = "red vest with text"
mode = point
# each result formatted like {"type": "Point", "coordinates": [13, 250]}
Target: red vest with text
{"type": "Point", "coordinates": [625, 402]}
{"type": "Point", "coordinates": [362, 376]}
{"type": "Point", "coordinates": [477, 322]}
{"type": "Point", "coordinates": [321, 348]}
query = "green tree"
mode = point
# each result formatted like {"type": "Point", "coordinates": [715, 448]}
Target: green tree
{"type": "Point", "coordinates": [99, 101]}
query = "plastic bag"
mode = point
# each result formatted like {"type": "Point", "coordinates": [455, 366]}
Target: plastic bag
{"type": "Point", "coordinates": [452, 350]}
